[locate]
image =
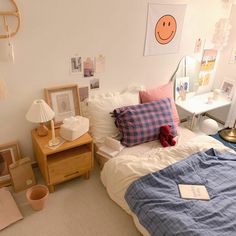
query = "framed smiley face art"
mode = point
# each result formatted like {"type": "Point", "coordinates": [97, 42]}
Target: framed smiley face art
{"type": "Point", "coordinates": [164, 28]}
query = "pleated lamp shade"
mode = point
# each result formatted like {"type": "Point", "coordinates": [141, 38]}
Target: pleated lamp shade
{"type": "Point", "coordinates": [40, 112]}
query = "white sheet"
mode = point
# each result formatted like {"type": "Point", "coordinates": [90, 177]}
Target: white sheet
{"type": "Point", "coordinates": [119, 172]}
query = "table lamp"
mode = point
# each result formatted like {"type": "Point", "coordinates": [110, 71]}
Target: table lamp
{"type": "Point", "coordinates": [40, 112]}
{"type": "Point", "coordinates": [229, 134]}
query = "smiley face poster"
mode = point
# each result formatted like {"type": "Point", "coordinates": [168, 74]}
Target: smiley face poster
{"type": "Point", "coordinates": [164, 28]}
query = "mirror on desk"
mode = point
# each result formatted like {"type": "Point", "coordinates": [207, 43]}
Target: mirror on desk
{"type": "Point", "coordinates": [186, 76]}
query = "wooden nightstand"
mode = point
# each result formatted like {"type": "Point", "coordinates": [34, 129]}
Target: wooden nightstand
{"type": "Point", "coordinates": [70, 160]}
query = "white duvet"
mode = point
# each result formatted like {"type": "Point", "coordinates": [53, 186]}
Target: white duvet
{"type": "Point", "coordinates": [118, 173]}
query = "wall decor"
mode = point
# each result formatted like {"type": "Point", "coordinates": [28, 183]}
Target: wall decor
{"type": "Point", "coordinates": [208, 59]}
{"type": "Point", "coordinates": [9, 153]}
{"type": "Point", "coordinates": [228, 87]}
{"type": "Point", "coordinates": [181, 87]}
{"type": "Point", "coordinates": [10, 14]}
{"type": "Point", "coordinates": [164, 28]}
{"type": "Point", "coordinates": [204, 78]}
{"type": "Point", "coordinates": [64, 101]}
{"type": "Point", "coordinates": [76, 65]}
{"type": "Point", "coordinates": [94, 83]}
{"type": "Point", "coordinates": [83, 93]}
{"type": "Point", "coordinates": [88, 67]}
{"type": "Point", "coordinates": [100, 64]}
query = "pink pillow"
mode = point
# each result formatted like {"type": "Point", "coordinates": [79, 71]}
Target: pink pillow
{"type": "Point", "coordinates": [164, 91]}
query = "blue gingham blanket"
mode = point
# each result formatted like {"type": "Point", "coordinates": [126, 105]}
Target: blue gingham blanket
{"type": "Point", "coordinates": [156, 201]}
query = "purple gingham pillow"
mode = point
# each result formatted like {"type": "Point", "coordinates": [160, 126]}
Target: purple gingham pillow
{"type": "Point", "coordinates": [141, 123]}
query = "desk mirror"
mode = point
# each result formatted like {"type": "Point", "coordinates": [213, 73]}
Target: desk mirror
{"type": "Point", "coordinates": [185, 76]}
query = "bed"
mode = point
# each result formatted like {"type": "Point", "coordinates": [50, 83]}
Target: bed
{"type": "Point", "coordinates": [144, 157]}
{"type": "Point", "coordinates": [119, 173]}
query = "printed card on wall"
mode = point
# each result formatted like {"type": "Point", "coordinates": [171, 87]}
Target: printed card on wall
{"type": "Point", "coordinates": [208, 59]}
{"type": "Point", "coordinates": [76, 65]}
{"type": "Point", "coordinates": [164, 28]}
{"type": "Point", "coordinates": [94, 83]}
{"type": "Point", "coordinates": [100, 64]}
{"type": "Point", "coordinates": [88, 67]}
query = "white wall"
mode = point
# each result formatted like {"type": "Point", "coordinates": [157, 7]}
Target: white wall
{"type": "Point", "coordinates": [54, 30]}
{"type": "Point", "coordinates": [225, 69]}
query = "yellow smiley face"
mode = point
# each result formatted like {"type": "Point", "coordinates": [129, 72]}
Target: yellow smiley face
{"type": "Point", "coordinates": [165, 29]}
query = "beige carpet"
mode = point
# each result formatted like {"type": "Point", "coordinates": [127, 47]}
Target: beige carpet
{"type": "Point", "coordinates": [77, 208]}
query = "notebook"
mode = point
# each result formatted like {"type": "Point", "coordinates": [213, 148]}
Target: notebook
{"type": "Point", "coordinates": [189, 191]}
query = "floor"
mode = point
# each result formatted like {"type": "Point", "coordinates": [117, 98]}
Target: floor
{"type": "Point", "coordinates": [77, 208]}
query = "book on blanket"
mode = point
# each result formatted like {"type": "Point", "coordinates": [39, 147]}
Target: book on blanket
{"type": "Point", "coordinates": [110, 148]}
{"type": "Point", "coordinates": [190, 191]}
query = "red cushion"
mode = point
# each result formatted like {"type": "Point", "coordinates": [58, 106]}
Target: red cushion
{"type": "Point", "coordinates": [164, 91]}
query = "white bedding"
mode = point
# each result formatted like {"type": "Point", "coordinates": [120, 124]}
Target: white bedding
{"type": "Point", "coordinates": [119, 172]}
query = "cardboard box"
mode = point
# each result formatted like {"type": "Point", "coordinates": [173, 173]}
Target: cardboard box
{"type": "Point", "coordinates": [22, 175]}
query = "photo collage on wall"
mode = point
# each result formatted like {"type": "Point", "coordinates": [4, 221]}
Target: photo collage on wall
{"type": "Point", "coordinates": [88, 68]}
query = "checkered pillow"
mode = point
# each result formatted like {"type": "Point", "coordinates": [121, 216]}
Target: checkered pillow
{"type": "Point", "coordinates": [141, 123]}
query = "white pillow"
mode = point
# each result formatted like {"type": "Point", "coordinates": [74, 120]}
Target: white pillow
{"type": "Point", "coordinates": [99, 108]}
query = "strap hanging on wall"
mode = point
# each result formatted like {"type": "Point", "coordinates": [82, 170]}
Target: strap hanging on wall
{"type": "Point", "coordinates": [5, 15]}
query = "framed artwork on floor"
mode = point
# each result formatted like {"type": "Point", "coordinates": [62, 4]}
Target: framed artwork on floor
{"type": "Point", "coordinates": [64, 101]}
{"type": "Point", "coordinates": [9, 153]}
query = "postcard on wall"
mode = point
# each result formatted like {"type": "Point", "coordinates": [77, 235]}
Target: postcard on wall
{"type": "Point", "coordinates": [76, 65]}
{"type": "Point", "coordinates": [204, 78]}
{"type": "Point", "coordinates": [83, 93]}
{"type": "Point", "coordinates": [100, 64]}
{"type": "Point", "coordinates": [208, 59]}
{"type": "Point", "coordinates": [189, 191]}
{"type": "Point", "coordinates": [94, 83]}
{"type": "Point", "coordinates": [88, 67]}
{"type": "Point", "coordinates": [164, 28]}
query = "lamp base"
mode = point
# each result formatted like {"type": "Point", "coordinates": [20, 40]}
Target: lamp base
{"type": "Point", "coordinates": [228, 135]}
{"type": "Point", "coordinates": [54, 142]}
{"type": "Point", "coordinates": [42, 130]}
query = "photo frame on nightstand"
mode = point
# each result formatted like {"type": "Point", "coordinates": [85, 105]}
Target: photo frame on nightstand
{"type": "Point", "coordinates": [64, 101]}
{"type": "Point", "coordinates": [9, 153]}
{"type": "Point", "coordinates": [228, 87]}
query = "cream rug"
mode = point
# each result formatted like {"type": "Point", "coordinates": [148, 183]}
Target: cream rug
{"type": "Point", "coordinates": [77, 208]}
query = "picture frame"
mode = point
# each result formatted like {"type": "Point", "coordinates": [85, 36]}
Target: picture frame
{"type": "Point", "coordinates": [181, 87]}
{"type": "Point", "coordinates": [9, 153]}
{"type": "Point", "coordinates": [64, 101]}
{"type": "Point", "coordinates": [227, 87]}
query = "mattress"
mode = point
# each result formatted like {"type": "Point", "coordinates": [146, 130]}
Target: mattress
{"type": "Point", "coordinates": [132, 163]}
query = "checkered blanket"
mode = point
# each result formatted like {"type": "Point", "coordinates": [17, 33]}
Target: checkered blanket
{"type": "Point", "coordinates": [155, 198]}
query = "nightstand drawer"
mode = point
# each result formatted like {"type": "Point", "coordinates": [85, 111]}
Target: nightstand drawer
{"type": "Point", "coordinates": [69, 167]}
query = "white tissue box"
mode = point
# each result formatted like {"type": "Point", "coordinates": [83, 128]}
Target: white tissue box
{"type": "Point", "coordinates": [74, 127]}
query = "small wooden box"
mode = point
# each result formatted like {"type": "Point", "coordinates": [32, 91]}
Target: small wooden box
{"type": "Point", "coordinates": [22, 175]}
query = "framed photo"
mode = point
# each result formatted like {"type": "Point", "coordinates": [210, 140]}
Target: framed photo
{"type": "Point", "coordinates": [64, 101]}
{"type": "Point", "coordinates": [181, 87]}
{"type": "Point", "coordinates": [9, 153]}
{"type": "Point", "coordinates": [228, 88]}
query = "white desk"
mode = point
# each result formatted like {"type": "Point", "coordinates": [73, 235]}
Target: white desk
{"type": "Point", "coordinates": [198, 104]}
